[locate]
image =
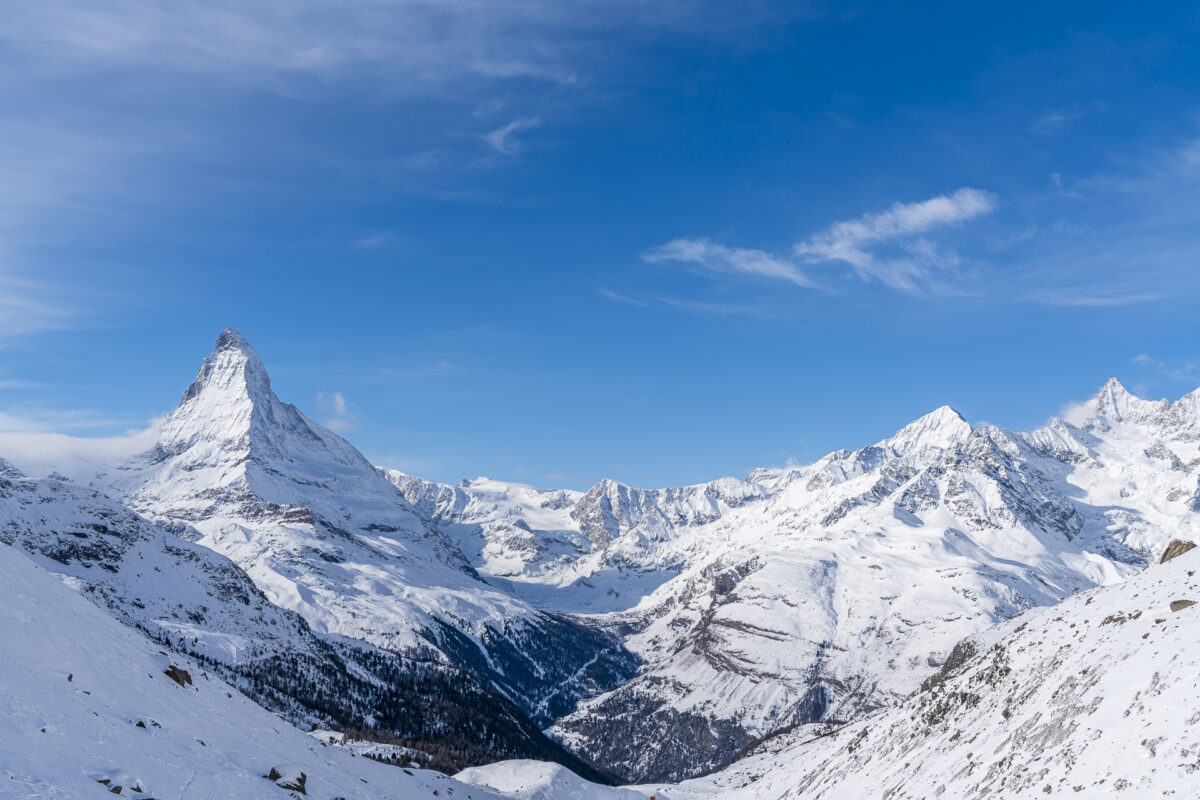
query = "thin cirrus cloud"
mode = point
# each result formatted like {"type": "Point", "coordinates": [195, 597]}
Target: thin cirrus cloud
{"type": "Point", "coordinates": [503, 140]}
{"type": "Point", "coordinates": [404, 47]}
{"type": "Point", "coordinates": [856, 243]}
{"type": "Point", "coordinates": [29, 307]}
{"type": "Point", "coordinates": [1073, 298]}
{"type": "Point", "coordinates": [686, 304]}
{"type": "Point", "coordinates": [716, 257]}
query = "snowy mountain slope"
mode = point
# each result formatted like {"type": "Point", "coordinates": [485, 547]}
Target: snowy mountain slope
{"type": "Point", "coordinates": [1093, 697]}
{"type": "Point", "coordinates": [144, 576]}
{"type": "Point", "coordinates": [189, 599]}
{"type": "Point", "coordinates": [824, 591]}
{"type": "Point", "coordinates": [1096, 696]}
{"type": "Point", "coordinates": [323, 533]}
{"type": "Point", "coordinates": [88, 707]}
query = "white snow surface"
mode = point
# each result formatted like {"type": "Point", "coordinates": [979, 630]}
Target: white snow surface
{"type": "Point", "coordinates": [143, 575]}
{"type": "Point", "coordinates": [1098, 692]}
{"type": "Point", "coordinates": [75, 683]}
{"type": "Point", "coordinates": [538, 780]}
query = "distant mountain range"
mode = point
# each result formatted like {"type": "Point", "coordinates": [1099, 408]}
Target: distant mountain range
{"type": "Point", "coordinates": [654, 634]}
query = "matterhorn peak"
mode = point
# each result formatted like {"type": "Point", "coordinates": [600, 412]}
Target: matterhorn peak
{"type": "Point", "coordinates": [230, 393]}
{"type": "Point", "coordinates": [233, 368]}
{"type": "Point", "coordinates": [229, 417]}
{"type": "Point", "coordinates": [230, 339]}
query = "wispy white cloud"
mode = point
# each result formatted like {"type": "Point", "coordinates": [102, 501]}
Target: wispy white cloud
{"type": "Point", "coordinates": [403, 46]}
{"type": "Point", "coordinates": [853, 242]}
{"type": "Point", "coordinates": [1078, 413]}
{"type": "Point", "coordinates": [686, 304]}
{"type": "Point", "coordinates": [107, 106]}
{"type": "Point", "coordinates": [412, 45]}
{"type": "Point", "coordinates": [504, 141]}
{"type": "Point", "coordinates": [1082, 298]}
{"type": "Point", "coordinates": [716, 257]}
{"type": "Point", "coordinates": [1054, 121]}
{"type": "Point", "coordinates": [335, 413]}
{"type": "Point", "coordinates": [1056, 180]}
{"type": "Point", "coordinates": [914, 258]}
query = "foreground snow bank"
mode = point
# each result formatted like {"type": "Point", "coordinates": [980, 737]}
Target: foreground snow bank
{"type": "Point", "coordinates": [87, 704]}
{"type": "Point", "coordinates": [538, 780]}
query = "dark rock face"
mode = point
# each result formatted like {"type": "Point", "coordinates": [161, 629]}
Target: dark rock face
{"type": "Point", "coordinates": [179, 675]}
{"type": "Point", "coordinates": [1176, 548]}
{"type": "Point", "coordinates": [297, 785]}
{"type": "Point", "coordinates": [959, 657]}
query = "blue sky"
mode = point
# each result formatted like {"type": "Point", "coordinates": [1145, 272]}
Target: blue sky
{"type": "Point", "coordinates": [549, 242]}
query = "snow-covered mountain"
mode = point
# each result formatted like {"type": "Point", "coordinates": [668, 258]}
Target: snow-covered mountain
{"type": "Point", "coordinates": [193, 601]}
{"type": "Point", "coordinates": [828, 590]}
{"type": "Point", "coordinates": [1093, 697]}
{"type": "Point", "coordinates": [811, 593]}
{"type": "Point", "coordinates": [321, 532]}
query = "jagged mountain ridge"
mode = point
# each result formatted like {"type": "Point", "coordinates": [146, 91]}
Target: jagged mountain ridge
{"type": "Point", "coordinates": [827, 590]}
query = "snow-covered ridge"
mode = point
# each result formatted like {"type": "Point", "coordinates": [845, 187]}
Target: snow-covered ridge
{"type": "Point", "coordinates": [826, 590]}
